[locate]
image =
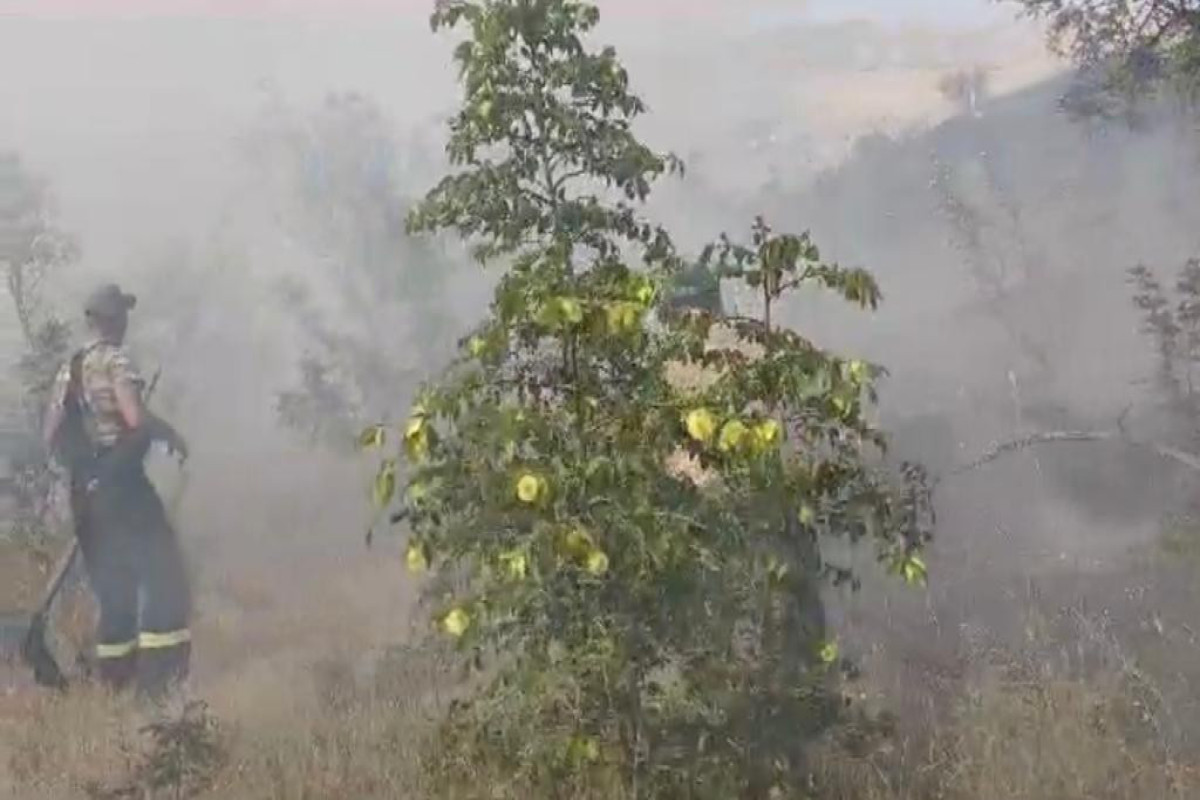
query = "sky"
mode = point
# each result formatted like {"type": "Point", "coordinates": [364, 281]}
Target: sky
{"type": "Point", "coordinates": [947, 12]}
{"type": "Point", "coordinates": [83, 100]}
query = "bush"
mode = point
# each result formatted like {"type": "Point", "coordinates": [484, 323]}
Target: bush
{"type": "Point", "coordinates": [642, 631]}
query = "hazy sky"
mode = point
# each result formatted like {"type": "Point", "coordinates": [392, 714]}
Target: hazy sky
{"type": "Point", "coordinates": [119, 115]}
{"type": "Point", "coordinates": [955, 12]}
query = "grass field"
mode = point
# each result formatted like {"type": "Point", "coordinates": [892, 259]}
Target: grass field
{"type": "Point", "coordinates": [311, 701]}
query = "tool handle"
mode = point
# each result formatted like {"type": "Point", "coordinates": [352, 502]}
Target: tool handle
{"type": "Point", "coordinates": [60, 574]}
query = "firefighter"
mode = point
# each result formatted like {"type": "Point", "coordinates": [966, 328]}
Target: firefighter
{"type": "Point", "coordinates": [128, 545]}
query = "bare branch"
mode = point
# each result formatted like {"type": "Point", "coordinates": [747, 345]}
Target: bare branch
{"type": "Point", "coordinates": [996, 451]}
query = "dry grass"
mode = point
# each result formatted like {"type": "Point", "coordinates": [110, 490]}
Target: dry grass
{"type": "Point", "coordinates": [314, 702]}
{"type": "Point", "coordinates": [1071, 715]}
{"type": "Point", "coordinates": [1045, 738]}
{"type": "Point", "coordinates": [310, 700]}
{"type": "Point", "coordinates": [288, 731]}
{"type": "Point", "coordinates": [325, 710]}
{"type": "Point", "coordinates": [23, 571]}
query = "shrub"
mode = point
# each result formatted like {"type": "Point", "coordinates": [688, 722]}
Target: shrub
{"type": "Point", "coordinates": [641, 632]}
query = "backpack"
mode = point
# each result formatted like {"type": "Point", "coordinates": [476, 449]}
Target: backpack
{"type": "Point", "coordinates": [72, 446]}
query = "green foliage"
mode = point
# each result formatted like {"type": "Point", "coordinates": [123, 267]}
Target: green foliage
{"type": "Point", "coordinates": [697, 286]}
{"type": "Point", "coordinates": [1127, 49]}
{"type": "Point", "coordinates": [186, 753]}
{"type": "Point", "coordinates": [643, 630]}
{"type": "Point", "coordinates": [542, 115]}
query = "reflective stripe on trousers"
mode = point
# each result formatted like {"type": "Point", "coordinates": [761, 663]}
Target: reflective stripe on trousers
{"type": "Point", "coordinates": [158, 641]}
{"type": "Point", "coordinates": [146, 641]}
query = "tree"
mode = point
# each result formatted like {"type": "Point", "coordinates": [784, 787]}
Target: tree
{"type": "Point", "coordinates": [989, 232]}
{"type": "Point", "coordinates": [32, 246]}
{"type": "Point", "coordinates": [343, 192]}
{"type": "Point", "coordinates": [1126, 48]}
{"type": "Point", "coordinates": [1174, 328]}
{"type": "Point", "coordinates": [644, 629]}
{"type": "Point", "coordinates": [965, 88]}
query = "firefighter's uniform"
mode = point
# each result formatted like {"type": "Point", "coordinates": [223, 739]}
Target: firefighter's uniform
{"type": "Point", "coordinates": [129, 548]}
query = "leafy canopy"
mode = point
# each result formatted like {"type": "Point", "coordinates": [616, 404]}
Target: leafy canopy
{"type": "Point", "coordinates": [633, 558]}
{"type": "Point", "coordinates": [1128, 46]}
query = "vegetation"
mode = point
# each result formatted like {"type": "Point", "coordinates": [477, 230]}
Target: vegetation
{"type": "Point", "coordinates": [629, 502]}
{"type": "Point", "coordinates": [1024, 728]}
{"type": "Point", "coordinates": [1127, 50]}
{"type": "Point", "coordinates": [32, 247]}
{"type": "Point", "coordinates": [1174, 326]}
{"type": "Point", "coordinates": [185, 755]}
{"type": "Point", "coordinates": [643, 630]}
{"type": "Point", "coordinates": [344, 187]}
{"type": "Point", "coordinates": [965, 88]}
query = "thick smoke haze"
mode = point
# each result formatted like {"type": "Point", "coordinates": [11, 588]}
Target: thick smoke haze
{"type": "Point", "coordinates": [138, 119]}
{"type": "Point", "coordinates": [825, 114]}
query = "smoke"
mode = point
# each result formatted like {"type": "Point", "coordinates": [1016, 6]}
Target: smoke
{"type": "Point", "coordinates": [1000, 237]}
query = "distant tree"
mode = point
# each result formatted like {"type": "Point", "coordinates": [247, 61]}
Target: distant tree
{"type": "Point", "coordinates": [32, 246]}
{"type": "Point", "coordinates": [987, 229]}
{"type": "Point", "coordinates": [1171, 318]}
{"type": "Point", "coordinates": [1126, 49]}
{"type": "Point", "coordinates": [375, 320]}
{"type": "Point", "coordinates": [965, 88]}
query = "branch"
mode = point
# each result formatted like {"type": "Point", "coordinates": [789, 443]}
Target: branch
{"type": "Point", "coordinates": [1189, 460]}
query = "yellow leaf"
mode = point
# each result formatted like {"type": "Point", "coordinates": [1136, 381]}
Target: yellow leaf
{"type": "Point", "coordinates": [597, 562]}
{"type": "Point", "coordinates": [622, 317]}
{"type": "Point", "coordinates": [570, 309]}
{"type": "Point", "coordinates": [914, 570]}
{"type": "Point", "coordinates": [645, 294]}
{"type": "Point", "coordinates": [515, 564]}
{"type": "Point", "coordinates": [476, 346]}
{"type": "Point", "coordinates": [416, 445]}
{"type": "Point", "coordinates": [631, 317]}
{"type": "Point", "coordinates": [416, 559]}
{"type": "Point", "coordinates": [417, 492]}
{"type": "Point", "coordinates": [768, 433]}
{"type": "Point", "coordinates": [807, 515]}
{"type": "Point", "coordinates": [415, 426]}
{"type": "Point", "coordinates": [776, 569]}
{"type": "Point", "coordinates": [384, 487]}
{"type": "Point", "coordinates": [612, 313]}
{"type": "Point", "coordinates": [583, 748]}
{"type": "Point", "coordinates": [701, 424]}
{"type": "Point", "coordinates": [579, 542]}
{"type": "Point", "coordinates": [530, 488]}
{"type": "Point", "coordinates": [858, 371]}
{"type": "Point", "coordinates": [456, 622]}
{"type": "Point", "coordinates": [828, 652]}
{"type": "Point", "coordinates": [371, 437]}
{"type": "Point", "coordinates": [732, 436]}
